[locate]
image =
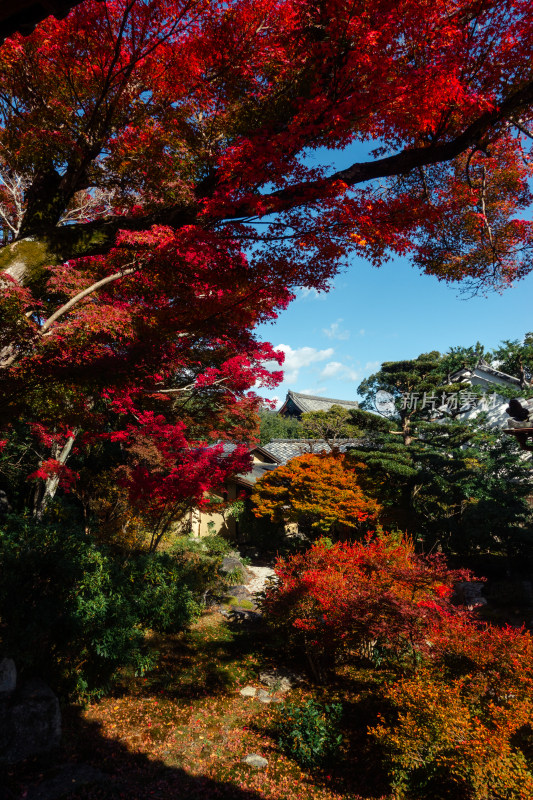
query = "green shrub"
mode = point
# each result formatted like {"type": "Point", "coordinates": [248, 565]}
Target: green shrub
{"type": "Point", "coordinates": [310, 733]}
{"type": "Point", "coordinates": [211, 545]}
{"type": "Point", "coordinates": [74, 613]}
{"type": "Point", "coordinates": [163, 599]}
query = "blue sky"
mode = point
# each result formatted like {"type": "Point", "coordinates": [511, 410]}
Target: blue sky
{"type": "Point", "coordinates": [332, 341]}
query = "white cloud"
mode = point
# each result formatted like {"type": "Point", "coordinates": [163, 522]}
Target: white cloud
{"type": "Point", "coordinates": [300, 357]}
{"type": "Point", "coordinates": [336, 369]}
{"type": "Point", "coordinates": [370, 366]}
{"type": "Point", "coordinates": [305, 293]}
{"type": "Point", "coordinates": [314, 390]}
{"type": "Point", "coordinates": [362, 332]}
{"type": "Point", "coordinates": [335, 331]}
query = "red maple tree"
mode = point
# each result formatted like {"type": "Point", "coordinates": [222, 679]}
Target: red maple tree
{"type": "Point", "coordinates": [159, 200]}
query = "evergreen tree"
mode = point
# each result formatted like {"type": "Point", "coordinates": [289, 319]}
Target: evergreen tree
{"type": "Point", "coordinates": [418, 386]}
{"type": "Point", "coordinates": [470, 492]}
{"type": "Point", "coordinates": [455, 485]}
{"type": "Point", "coordinates": [273, 426]}
{"type": "Point", "coordinates": [329, 426]}
{"type": "Point", "coordinates": [516, 358]}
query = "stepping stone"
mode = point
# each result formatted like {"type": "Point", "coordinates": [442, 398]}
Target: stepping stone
{"type": "Point", "coordinates": [263, 696]}
{"type": "Point", "coordinates": [280, 680]}
{"type": "Point", "coordinates": [253, 760]}
{"type": "Point", "coordinates": [248, 691]}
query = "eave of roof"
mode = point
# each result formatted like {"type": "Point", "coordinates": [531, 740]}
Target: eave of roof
{"type": "Point", "coordinates": [257, 472]}
{"type": "Point", "coordinates": [286, 449]}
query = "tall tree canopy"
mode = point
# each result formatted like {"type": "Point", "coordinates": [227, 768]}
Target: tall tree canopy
{"type": "Point", "coordinates": [165, 185]}
{"type": "Point", "coordinates": [201, 113]}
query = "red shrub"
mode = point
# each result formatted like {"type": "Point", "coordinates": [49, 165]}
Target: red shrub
{"type": "Point", "coordinates": [372, 596]}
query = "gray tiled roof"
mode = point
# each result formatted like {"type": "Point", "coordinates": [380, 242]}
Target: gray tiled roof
{"type": "Point", "coordinates": [257, 471]}
{"type": "Point", "coordinates": [285, 449]}
{"type": "Point", "coordinates": [310, 402]}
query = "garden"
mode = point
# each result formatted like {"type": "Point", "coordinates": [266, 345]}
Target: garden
{"type": "Point", "coordinates": [173, 175]}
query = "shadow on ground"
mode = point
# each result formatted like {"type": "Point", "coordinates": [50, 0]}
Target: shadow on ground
{"type": "Point", "coordinates": [107, 770]}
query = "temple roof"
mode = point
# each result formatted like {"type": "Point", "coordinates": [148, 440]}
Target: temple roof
{"type": "Point", "coordinates": [484, 374]}
{"type": "Point", "coordinates": [257, 472]}
{"type": "Point", "coordinates": [296, 403]}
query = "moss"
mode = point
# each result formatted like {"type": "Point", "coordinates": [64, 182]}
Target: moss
{"type": "Point", "coordinates": [234, 602]}
{"type": "Point", "coordinates": [32, 255]}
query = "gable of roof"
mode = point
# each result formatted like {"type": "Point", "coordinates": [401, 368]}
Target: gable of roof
{"type": "Point", "coordinates": [258, 470]}
{"type": "Point", "coordinates": [484, 374]}
{"type": "Point", "coordinates": [296, 403]}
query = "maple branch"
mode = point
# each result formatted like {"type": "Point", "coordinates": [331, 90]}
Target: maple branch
{"type": "Point", "coordinates": [484, 207]}
{"type": "Point", "coordinates": [98, 237]}
{"type": "Point", "coordinates": [182, 389]}
{"type": "Point", "coordinates": [408, 159]}
{"type": "Point", "coordinates": [522, 128]}
{"type": "Point", "coordinates": [52, 482]}
{"type": "Point", "coordinates": [81, 295]}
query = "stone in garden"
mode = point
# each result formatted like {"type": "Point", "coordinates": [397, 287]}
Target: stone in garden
{"type": "Point", "coordinates": [242, 615]}
{"type": "Point", "coordinates": [230, 564]}
{"type": "Point", "coordinates": [8, 675]}
{"type": "Point", "coordinates": [468, 593]}
{"type": "Point", "coordinates": [279, 680]}
{"type": "Point", "coordinates": [5, 507]}
{"type": "Point", "coordinates": [248, 691]}
{"type": "Point", "coordinates": [253, 760]}
{"type": "Point", "coordinates": [263, 696]}
{"type": "Point", "coordinates": [30, 722]}
{"type": "Point", "coordinates": [240, 592]}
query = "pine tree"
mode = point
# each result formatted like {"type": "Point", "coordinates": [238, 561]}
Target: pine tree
{"type": "Point", "coordinates": [515, 357]}
{"type": "Point", "coordinates": [454, 485]}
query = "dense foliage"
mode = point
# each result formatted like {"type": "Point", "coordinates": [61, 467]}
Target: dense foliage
{"type": "Point", "coordinates": [75, 612]}
{"type": "Point", "coordinates": [158, 199]}
{"type": "Point", "coordinates": [320, 492]}
{"type": "Point", "coordinates": [457, 710]}
{"type": "Point", "coordinates": [454, 482]}
{"type": "Point", "coordinates": [310, 733]}
{"type": "Point", "coordinates": [375, 596]}
{"type": "Point", "coordinates": [273, 426]}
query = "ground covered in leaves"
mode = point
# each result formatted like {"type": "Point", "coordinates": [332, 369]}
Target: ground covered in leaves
{"type": "Point", "coordinates": [181, 731]}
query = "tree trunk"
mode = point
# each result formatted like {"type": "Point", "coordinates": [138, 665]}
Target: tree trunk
{"type": "Point", "coordinates": [406, 431]}
{"type": "Point", "coordinates": [51, 483]}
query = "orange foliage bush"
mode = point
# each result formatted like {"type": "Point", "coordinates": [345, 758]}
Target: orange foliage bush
{"type": "Point", "coordinates": [321, 492]}
{"type": "Point", "coordinates": [464, 731]}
